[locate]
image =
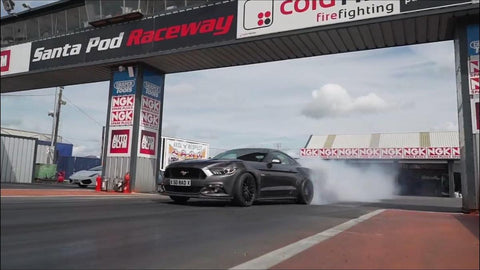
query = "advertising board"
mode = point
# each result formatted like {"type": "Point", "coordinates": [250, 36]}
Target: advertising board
{"type": "Point", "coordinates": [119, 142]}
{"type": "Point", "coordinates": [383, 153]}
{"type": "Point", "coordinates": [210, 24]}
{"type": "Point", "coordinates": [260, 17]}
{"type": "Point", "coordinates": [178, 149]}
{"type": "Point", "coordinates": [147, 143]}
{"type": "Point", "coordinates": [152, 95]}
{"type": "Point", "coordinates": [123, 99]}
{"type": "Point", "coordinates": [15, 59]}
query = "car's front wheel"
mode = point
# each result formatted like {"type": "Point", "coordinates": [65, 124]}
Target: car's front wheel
{"type": "Point", "coordinates": [179, 199]}
{"type": "Point", "coordinates": [305, 193]}
{"type": "Point", "coordinates": [245, 190]}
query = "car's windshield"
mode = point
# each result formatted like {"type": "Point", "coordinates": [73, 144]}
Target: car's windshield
{"type": "Point", "coordinates": [243, 154]}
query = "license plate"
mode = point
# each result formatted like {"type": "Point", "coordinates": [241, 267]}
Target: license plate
{"type": "Point", "coordinates": [180, 182]}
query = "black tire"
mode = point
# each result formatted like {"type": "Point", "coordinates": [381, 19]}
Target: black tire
{"type": "Point", "coordinates": [245, 190]}
{"type": "Point", "coordinates": [179, 199]}
{"type": "Point", "coordinates": [305, 193]}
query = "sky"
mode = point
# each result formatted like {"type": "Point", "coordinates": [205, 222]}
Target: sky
{"type": "Point", "coordinates": [276, 105]}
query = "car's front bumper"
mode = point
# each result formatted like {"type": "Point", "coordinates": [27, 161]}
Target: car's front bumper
{"type": "Point", "coordinates": [212, 187]}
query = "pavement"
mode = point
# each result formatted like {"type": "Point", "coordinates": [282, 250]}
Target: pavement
{"type": "Point", "coordinates": [383, 239]}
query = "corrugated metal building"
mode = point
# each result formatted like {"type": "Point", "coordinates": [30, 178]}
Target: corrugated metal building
{"type": "Point", "coordinates": [427, 162]}
{"type": "Point", "coordinates": [17, 159]}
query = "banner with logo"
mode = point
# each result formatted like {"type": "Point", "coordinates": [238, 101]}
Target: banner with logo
{"type": "Point", "coordinates": [177, 149]}
{"type": "Point", "coordinates": [147, 143]}
{"type": "Point", "coordinates": [193, 27]}
{"type": "Point", "coordinates": [152, 94]}
{"type": "Point", "coordinates": [383, 153]}
{"type": "Point", "coordinates": [120, 142]}
{"type": "Point", "coordinates": [15, 59]}
{"type": "Point", "coordinates": [123, 99]}
{"type": "Point", "coordinates": [260, 17]}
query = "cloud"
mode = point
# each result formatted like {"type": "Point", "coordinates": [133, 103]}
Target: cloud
{"type": "Point", "coordinates": [332, 100]}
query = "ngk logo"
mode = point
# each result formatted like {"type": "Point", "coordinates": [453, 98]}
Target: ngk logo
{"type": "Point", "coordinates": [150, 105]}
{"type": "Point", "coordinates": [150, 119]}
{"type": "Point", "coordinates": [391, 152]}
{"type": "Point", "coordinates": [455, 152]}
{"type": "Point", "coordinates": [415, 152]}
{"type": "Point", "coordinates": [123, 102]}
{"type": "Point", "coordinates": [305, 152]}
{"type": "Point", "coordinates": [327, 153]}
{"type": "Point", "coordinates": [121, 118]}
{"type": "Point", "coordinates": [439, 152]}
{"type": "Point", "coordinates": [369, 152]}
{"type": "Point", "coordinates": [348, 152]}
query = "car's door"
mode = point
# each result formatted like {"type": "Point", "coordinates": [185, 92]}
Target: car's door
{"type": "Point", "coordinates": [278, 176]}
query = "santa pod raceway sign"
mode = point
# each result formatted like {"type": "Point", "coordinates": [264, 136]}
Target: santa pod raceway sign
{"type": "Point", "coordinates": [210, 24]}
{"type": "Point", "coordinates": [383, 153]}
{"type": "Point", "coordinates": [259, 17]}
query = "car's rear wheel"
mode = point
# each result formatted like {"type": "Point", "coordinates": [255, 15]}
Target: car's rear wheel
{"type": "Point", "coordinates": [245, 190]}
{"type": "Point", "coordinates": [179, 199]}
{"type": "Point", "coordinates": [305, 194]}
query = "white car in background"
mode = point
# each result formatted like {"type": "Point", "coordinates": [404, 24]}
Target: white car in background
{"type": "Point", "coordinates": [86, 178]}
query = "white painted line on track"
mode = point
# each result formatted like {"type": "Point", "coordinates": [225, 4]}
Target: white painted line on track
{"type": "Point", "coordinates": [277, 256]}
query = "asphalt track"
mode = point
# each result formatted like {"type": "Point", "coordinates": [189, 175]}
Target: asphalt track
{"type": "Point", "coordinates": [147, 231]}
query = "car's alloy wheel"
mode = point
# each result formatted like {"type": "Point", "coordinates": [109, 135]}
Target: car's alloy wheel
{"type": "Point", "coordinates": [179, 199]}
{"type": "Point", "coordinates": [245, 190]}
{"type": "Point", "coordinates": [306, 192]}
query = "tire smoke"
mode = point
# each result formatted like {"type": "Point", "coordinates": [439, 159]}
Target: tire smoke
{"type": "Point", "coordinates": [337, 181]}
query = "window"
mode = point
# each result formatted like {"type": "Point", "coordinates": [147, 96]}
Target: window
{"type": "Point", "coordinates": [7, 34]}
{"type": "Point", "coordinates": [59, 23]}
{"type": "Point", "coordinates": [45, 26]}
{"type": "Point", "coordinates": [283, 158]}
{"type": "Point", "coordinates": [73, 19]}
{"type": "Point", "coordinates": [20, 31]}
{"type": "Point", "coordinates": [32, 29]}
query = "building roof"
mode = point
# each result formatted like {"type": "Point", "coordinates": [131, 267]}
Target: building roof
{"type": "Point", "coordinates": [386, 140]}
{"type": "Point", "coordinates": [29, 134]}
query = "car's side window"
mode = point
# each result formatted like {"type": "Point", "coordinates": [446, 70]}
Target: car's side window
{"type": "Point", "coordinates": [282, 157]}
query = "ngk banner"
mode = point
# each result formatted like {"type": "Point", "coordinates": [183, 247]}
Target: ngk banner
{"type": "Point", "coordinates": [473, 75]}
{"type": "Point", "coordinates": [147, 143]}
{"type": "Point", "coordinates": [123, 99]}
{"type": "Point", "coordinates": [119, 141]}
{"type": "Point", "coordinates": [383, 153]}
{"type": "Point", "coordinates": [259, 17]}
{"type": "Point", "coordinates": [152, 95]}
{"type": "Point", "coordinates": [210, 24]}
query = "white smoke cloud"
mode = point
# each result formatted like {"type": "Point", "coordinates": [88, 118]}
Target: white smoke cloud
{"type": "Point", "coordinates": [332, 100]}
{"type": "Point", "coordinates": [337, 181]}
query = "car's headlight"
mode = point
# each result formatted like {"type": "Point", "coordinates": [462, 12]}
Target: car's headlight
{"type": "Point", "coordinates": [223, 171]}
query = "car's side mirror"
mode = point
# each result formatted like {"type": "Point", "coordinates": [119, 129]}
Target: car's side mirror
{"type": "Point", "coordinates": [276, 161]}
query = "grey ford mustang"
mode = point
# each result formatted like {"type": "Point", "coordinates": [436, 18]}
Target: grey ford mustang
{"type": "Point", "coordinates": [240, 175]}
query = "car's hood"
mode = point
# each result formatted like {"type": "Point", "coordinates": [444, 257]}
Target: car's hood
{"type": "Point", "coordinates": [84, 173]}
{"type": "Point", "coordinates": [200, 163]}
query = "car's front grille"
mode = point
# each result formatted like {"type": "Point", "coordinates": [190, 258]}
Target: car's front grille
{"type": "Point", "coordinates": [183, 189]}
{"type": "Point", "coordinates": [184, 173]}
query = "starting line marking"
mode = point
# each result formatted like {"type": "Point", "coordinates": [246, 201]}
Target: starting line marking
{"type": "Point", "coordinates": [277, 256]}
